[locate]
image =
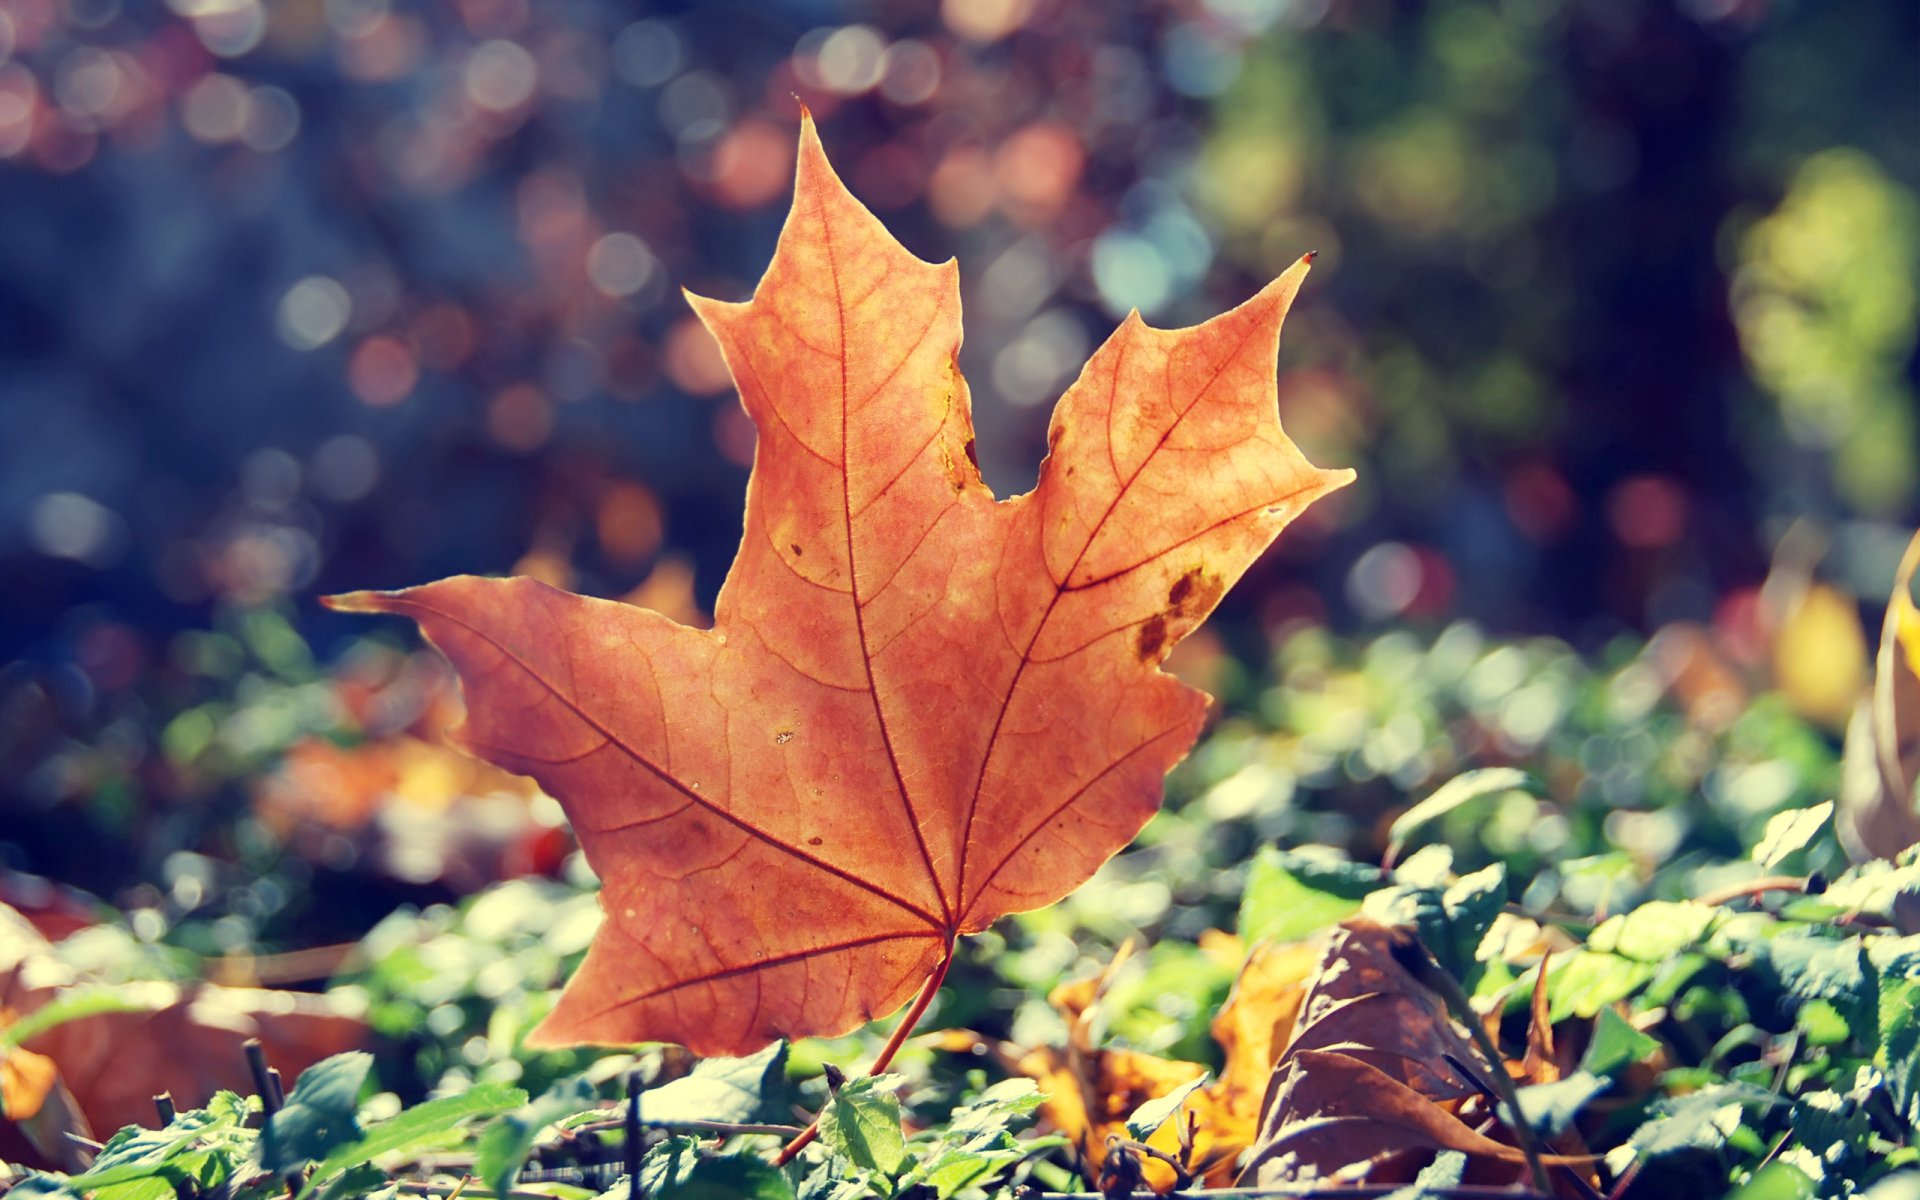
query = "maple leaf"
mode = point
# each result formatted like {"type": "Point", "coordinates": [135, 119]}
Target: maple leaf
{"type": "Point", "coordinates": [918, 708]}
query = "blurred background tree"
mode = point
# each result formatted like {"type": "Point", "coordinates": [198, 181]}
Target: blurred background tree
{"type": "Point", "coordinates": [1615, 313]}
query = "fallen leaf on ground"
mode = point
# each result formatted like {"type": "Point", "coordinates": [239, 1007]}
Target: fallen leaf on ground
{"type": "Point", "coordinates": [1375, 1079]}
{"type": "Point", "coordinates": [1090, 1089]}
{"type": "Point", "coordinates": [919, 708]}
{"type": "Point", "coordinates": [1093, 1089]}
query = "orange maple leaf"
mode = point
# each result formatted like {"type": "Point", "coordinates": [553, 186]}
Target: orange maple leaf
{"type": "Point", "coordinates": [918, 709]}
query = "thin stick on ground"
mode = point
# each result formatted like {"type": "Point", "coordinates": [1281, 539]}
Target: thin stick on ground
{"type": "Point", "coordinates": [900, 1034]}
{"type": "Point", "coordinates": [631, 1147]}
{"type": "Point", "coordinates": [1754, 888]}
{"type": "Point", "coordinates": [717, 1128]}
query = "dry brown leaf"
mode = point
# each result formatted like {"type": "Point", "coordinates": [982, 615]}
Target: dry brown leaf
{"type": "Point", "coordinates": [1539, 1064]}
{"type": "Point", "coordinates": [1370, 1075]}
{"type": "Point", "coordinates": [1093, 1089]}
{"type": "Point", "coordinates": [1343, 1118]}
{"type": "Point", "coordinates": [919, 708]}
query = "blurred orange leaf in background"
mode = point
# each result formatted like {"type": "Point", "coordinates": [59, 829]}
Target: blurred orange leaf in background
{"type": "Point", "coordinates": [152, 1037]}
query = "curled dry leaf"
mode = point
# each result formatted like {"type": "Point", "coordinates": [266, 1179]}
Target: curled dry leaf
{"type": "Point", "coordinates": [918, 708]}
{"type": "Point", "coordinates": [1881, 770]}
{"type": "Point", "coordinates": [183, 1039]}
{"type": "Point", "coordinates": [1373, 1081]}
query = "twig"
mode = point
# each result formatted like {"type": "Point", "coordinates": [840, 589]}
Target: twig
{"type": "Point", "coordinates": [719, 1128]}
{"type": "Point", "coordinates": [632, 1147]}
{"type": "Point", "coordinates": [85, 1143]}
{"type": "Point", "coordinates": [1412, 955]}
{"type": "Point", "coordinates": [270, 1096]}
{"type": "Point", "coordinates": [163, 1104]}
{"type": "Point", "coordinates": [1181, 1176]}
{"type": "Point", "coordinates": [266, 1081]}
{"type": "Point", "coordinates": [1753, 889]}
{"type": "Point", "coordinates": [914, 1013]}
{"type": "Point", "coordinates": [291, 966]}
{"type": "Point", "coordinates": [450, 1190]}
{"type": "Point", "coordinates": [1626, 1179]}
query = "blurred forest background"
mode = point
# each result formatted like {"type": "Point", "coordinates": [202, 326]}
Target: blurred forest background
{"type": "Point", "coordinates": [1615, 314]}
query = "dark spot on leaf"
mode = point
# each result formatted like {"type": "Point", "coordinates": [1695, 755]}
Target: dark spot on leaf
{"type": "Point", "coordinates": [1193, 593]}
{"type": "Point", "coordinates": [813, 841]}
{"type": "Point", "coordinates": [1153, 638]}
{"type": "Point", "coordinates": [795, 547]}
{"type": "Point", "coordinates": [972, 455]}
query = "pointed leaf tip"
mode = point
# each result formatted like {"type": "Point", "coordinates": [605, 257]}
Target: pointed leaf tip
{"type": "Point", "coordinates": [362, 601]}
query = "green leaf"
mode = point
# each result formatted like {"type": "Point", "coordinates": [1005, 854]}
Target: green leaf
{"type": "Point", "coordinates": [1776, 1181]}
{"type": "Point", "coordinates": [1872, 887]}
{"type": "Point", "coordinates": [862, 1122]}
{"type": "Point", "coordinates": [1549, 1108]}
{"type": "Point", "coordinates": [143, 1189]}
{"type": "Point", "coordinates": [667, 1163]}
{"type": "Point", "coordinates": [1789, 831]}
{"type": "Point", "coordinates": [354, 1183]}
{"type": "Point", "coordinates": [1701, 1120]}
{"type": "Point", "coordinates": [1822, 1024]}
{"type": "Point", "coordinates": [733, 1177]}
{"type": "Point", "coordinates": [1615, 1044]}
{"type": "Point", "coordinates": [71, 1005]}
{"type": "Point", "coordinates": [1437, 1178]}
{"type": "Point", "coordinates": [1451, 922]}
{"type": "Point", "coordinates": [420, 1123]}
{"type": "Point", "coordinates": [136, 1153]}
{"type": "Point", "coordinates": [1898, 1055]}
{"type": "Point", "coordinates": [319, 1113]}
{"type": "Point", "coordinates": [1825, 1119]}
{"type": "Point", "coordinates": [1582, 983]}
{"type": "Point", "coordinates": [1656, 931]}
{"type": "Point", "coordinates": [738, 1090]}
{"type": "Point", "coordinates": [1154, 1113]}
{"type": "Point", "coordinates": [977, 1143]}
{"type": "Point", "coordinates": [1290, 894]}
{"type": "Point", "coordinates": [1813, 966]}
{"type": "Point", "coordinates": [1457, 791]}
{"type": "Point", "coordinates": [504, 1145]}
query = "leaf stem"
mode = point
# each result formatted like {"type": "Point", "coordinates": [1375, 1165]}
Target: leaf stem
{"type": "Point", "coordinates": [900, 1034]}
